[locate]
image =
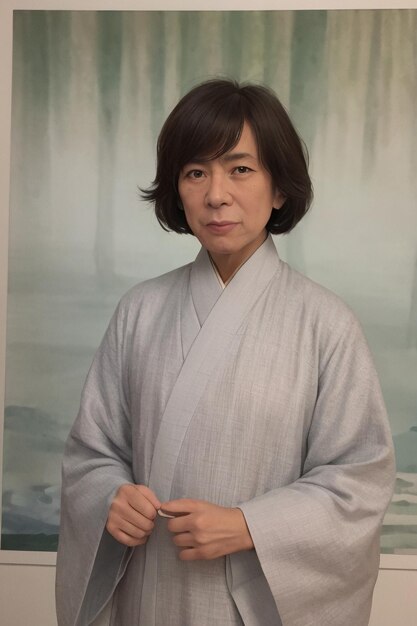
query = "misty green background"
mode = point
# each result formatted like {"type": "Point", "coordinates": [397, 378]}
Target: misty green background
{"type": "Point", "coordinates": [90, 92]}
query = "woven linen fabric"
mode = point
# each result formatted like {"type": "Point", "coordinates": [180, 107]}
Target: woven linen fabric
{"type": "Point", "coordinates": [262, 396]}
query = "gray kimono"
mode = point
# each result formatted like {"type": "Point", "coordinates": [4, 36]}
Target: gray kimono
{"type": "Point", "coordinates": [262, 396]}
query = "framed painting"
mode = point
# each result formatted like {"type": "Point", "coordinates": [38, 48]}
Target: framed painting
{"type": "Point", "coordinates": [89, 92]}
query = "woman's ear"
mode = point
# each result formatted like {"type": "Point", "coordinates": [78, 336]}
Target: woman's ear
{"type": "Point", "coordinates": [279, 199]}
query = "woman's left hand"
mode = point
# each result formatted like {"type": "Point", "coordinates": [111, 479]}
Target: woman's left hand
{"type": "Point", "coordinates": [206, 531]}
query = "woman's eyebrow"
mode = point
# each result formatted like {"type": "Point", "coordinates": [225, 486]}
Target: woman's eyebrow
{"type": "Point", "coordinates": [228, 156]}
{"type": "Point", "coordinates": [233, 156]}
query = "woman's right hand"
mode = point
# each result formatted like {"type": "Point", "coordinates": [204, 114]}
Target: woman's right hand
{"type": "Point", "coordinates": [131, 514]}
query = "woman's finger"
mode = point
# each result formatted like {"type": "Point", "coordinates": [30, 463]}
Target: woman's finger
{"type": "Point", "coordinates": [132, 530]}
{"type": "Point", "coordinates": [184, 540]}
{"type": "Point", "coordinates": [122, 510]}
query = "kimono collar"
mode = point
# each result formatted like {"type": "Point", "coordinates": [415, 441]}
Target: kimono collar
{"type": "Point", "coordinates": [206, 287]}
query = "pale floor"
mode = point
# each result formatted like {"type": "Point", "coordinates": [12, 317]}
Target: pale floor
{"type": "Point", "coordinates": [27, 597]}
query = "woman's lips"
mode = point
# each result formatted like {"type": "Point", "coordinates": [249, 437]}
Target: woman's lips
{"type": "Point", "coordinates": [221, 228]}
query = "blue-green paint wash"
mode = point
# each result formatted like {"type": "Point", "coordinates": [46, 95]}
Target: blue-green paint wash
{"type": "Point", "coordinates": [308, 71]}
{"type": "Point", "coordinates": [109, 67]}
{"type": "Point", "coordinates": [233, 43]}
{"type": "Point", "coordinates": [59, 41]}
{"type": "Point", "coordinates": [157, 53]}
{"type": "Point", "coordinates": [109, 63]}
{"type": "Point", "coordinates": [371, 108]}
{"type": "Point", "coordinates": [33, 28]}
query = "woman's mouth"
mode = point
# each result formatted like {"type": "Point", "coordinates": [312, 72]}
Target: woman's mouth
{"type": "Point", "coordinates": [220, 228]}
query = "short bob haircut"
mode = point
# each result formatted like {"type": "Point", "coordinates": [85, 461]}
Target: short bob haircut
{"type": "Point", "coordinates": [206, 123]}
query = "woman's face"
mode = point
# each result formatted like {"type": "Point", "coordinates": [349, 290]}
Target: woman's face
{"type": "Point", "coordinates": [228, 201]}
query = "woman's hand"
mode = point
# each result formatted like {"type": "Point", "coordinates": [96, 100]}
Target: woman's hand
{"type": "Point", "coordinates": [131, 514]}
{"type": "Point", "coordinates": [206, 531]}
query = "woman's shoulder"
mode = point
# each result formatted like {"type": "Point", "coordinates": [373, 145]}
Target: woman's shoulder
{"type": "Point", "coordinates": [156, 287]}
{"type": "Point", "coordinates": [317, 301]}
{"type": "Point", "coordinates": [325, 317]}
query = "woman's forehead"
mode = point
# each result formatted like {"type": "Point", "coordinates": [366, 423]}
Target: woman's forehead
{"type": "Point", "coordinates": [229, 147]}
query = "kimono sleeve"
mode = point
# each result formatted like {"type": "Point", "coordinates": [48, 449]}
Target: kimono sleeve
{"type": "Point", "coordinates": [317, 539]}
{"type": "Point", "coordinates": [97, 461]}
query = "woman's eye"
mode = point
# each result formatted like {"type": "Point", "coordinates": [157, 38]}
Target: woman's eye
{"type": "Point", "coordinates": [195, 174]}
{"type": "Point", "coordinates": [242, 169]}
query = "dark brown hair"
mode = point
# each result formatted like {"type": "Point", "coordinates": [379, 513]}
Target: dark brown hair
{"type": "Point", "coordinates": [206, 123]}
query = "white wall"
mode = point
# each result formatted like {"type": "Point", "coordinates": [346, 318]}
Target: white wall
{"type": "Point", "coordinates": [27, 597]}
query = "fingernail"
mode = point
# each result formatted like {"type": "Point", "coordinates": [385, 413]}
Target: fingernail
{"type": "Point", "coordinates": [161, 513]}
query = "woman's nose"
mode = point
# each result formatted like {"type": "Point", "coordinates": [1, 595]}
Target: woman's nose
{"type": "Point", "coordinates": [218, 193]}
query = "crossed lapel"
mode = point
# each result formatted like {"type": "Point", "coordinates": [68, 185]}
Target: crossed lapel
{"type": "Point", "coordinates": [207, 334]}
{"type": "Point", "coordinates": [211, 316]}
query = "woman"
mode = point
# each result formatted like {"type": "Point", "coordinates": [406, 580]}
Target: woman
{"type": "Point", "coordinates": [233, 396]}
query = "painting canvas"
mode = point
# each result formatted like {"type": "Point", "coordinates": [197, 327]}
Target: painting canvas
{"type": "Point", "coordinates": [90, 92]}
